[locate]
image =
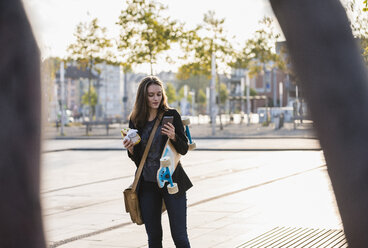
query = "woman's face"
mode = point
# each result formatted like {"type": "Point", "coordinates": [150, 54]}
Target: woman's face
{"type": "Point", "coordinates": [154, 96]}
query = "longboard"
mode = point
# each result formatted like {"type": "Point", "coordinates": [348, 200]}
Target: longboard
{"type": "Point", "coordinates": [169, 161]}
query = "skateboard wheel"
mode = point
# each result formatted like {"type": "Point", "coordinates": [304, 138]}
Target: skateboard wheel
{"type": "Point", "coordinates": [174, 189]}
{"type": "Point", "coordinates": [185, 120]}
{"type": "Point", "coordinates": [165, 161]}
{"type": "Point", "coordinates": [192, 146]}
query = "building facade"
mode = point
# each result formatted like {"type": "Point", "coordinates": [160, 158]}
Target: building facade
{"type": "Point", "coordinates": [107, 81]}
{"type": "Point", "coordinates": [110, 91]}
{"type": "Point", "coordinates": [274, 87]}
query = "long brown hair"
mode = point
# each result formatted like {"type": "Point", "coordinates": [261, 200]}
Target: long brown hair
{"type": "Point", "coordinates": [140, 113]}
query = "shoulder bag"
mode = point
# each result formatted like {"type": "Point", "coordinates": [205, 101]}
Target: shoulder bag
{"type": "Point", "coordinates": [130, 193]}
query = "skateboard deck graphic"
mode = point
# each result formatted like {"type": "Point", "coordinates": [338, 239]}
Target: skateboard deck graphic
{"type": "Point", "coordinates": [169, 160]}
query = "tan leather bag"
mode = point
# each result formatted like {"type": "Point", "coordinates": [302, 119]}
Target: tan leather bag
{"type": "Point", "coordinates": [130, 194]}
{"type": "Point", "coordinates": [132, 205]}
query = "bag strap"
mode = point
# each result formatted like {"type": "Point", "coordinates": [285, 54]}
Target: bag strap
{"type": "Point", "coordinates": [146, 150]}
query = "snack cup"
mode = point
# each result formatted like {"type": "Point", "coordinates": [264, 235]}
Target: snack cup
{"type": "Point", "coordinates": [130, 134]}
{"type": "Point", "coordinates": [134, 137]}
{"type": "Point", "coordinates": [124, 132]}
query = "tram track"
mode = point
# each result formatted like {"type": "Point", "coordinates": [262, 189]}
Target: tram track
{"type": "Point", "coordinates": [194, 179]}
{"type": "Point", "coordinates": [84, 184]}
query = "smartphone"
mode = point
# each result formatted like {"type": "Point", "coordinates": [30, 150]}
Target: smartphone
{"type": "Point", "coordinates": [167, 119]}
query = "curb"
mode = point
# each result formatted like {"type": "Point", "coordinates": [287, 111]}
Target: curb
{"type": "Point", "coordinates": [197, 149]}
{"type": "Point", "coordinates": [194, 138]}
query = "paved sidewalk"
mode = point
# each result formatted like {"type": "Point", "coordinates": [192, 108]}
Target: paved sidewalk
{"type": "Point", "coordinates": [301, 201]}
{"type": "Point", "coordinates": [237, 196]}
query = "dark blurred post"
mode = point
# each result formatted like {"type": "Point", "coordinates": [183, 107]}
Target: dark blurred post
{"type": "Point", "coordinates": [125, 98]}
{"type": "Point", "coordinates": [242, 106]}
{"type": "Point", "coordinates": [334, 79]}
{"type": "Point", "coordinates": [62, 100]}
{"type": "Point", "coordinates": [247, 83]}
{"type": "Point", "coordinates": [20, 120]}
{"type": "Point", "coordinates": [212, 94]}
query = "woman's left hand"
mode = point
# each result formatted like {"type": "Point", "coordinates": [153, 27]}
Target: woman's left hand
{"type": "Point", "coordinates": [169, 130]}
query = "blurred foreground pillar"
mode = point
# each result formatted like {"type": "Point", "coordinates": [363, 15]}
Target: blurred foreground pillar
{"type": "Point", "coordinates": [20, 101]}
{"type": "Point", "coordinates": [333, 75]}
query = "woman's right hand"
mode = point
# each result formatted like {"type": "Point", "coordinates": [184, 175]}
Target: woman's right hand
{"type": "Point", "coordinates": [128, 144]}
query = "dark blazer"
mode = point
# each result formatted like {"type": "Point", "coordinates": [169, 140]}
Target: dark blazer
{"type": "Point", "coordinates": [181, 146]}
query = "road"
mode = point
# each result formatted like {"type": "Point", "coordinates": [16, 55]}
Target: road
{"type": "Point", "coordinates": [237, 192]}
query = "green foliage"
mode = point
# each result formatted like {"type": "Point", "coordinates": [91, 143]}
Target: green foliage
{"type": "Point", "coordinates": [90, 97]}
{"type": "Point", "coordinates": [189, 98]}
{"type": "Point", "coordinates": [91, 45]}
{"type": "Point", "coordinates": [49, 67]}
{"type": "Point", "coordinates": [145, 33]}
{"type": "Point", "coordinates": [366, 5]}
{"type": "Point", "coordinates": [181, 94]}
{"type": "Point", "coordinates": [201, 97]}
{"type": "Point", "coordinates": [202, 100]}
{"type": "Point", "coordinates": [170, 93]}
{"type": "Point", "coordinates": [199, 48]}
{"type": "Point", "coordinates": [223, 93]}
{"type": "Point", "coordinates": [259, 50]}
{"type": "Point", "coordinates": [90, 48]}
{"type": "Point", "coordinates": [359, 24]}
{"type": "Point", "coordinates": [240, 60]}
{"type": "Point", "coordinates": [194, 82]}
{"type": "Point", "coordinates": [252, 92]}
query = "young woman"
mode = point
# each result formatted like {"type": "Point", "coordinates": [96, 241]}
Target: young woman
{"type": "Point", "coordinates": [150, 101]}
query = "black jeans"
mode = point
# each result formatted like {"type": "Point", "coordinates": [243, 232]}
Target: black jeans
{"type": "Point", "coordinates": [150, 200]}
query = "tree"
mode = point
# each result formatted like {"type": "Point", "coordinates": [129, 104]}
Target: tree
{"type": "Point", "coordinates": [223, 93]}
{"type": "Point", "coordinates": [199, 48]}
{"type": "Point", "coordinates": [359, 24]}
{"type": "Point", "coordinates": [181, 94]}
{"type": "Point", "coordinates": [202, 99]}
{"type": "Point", "coordinates": [252, 92]}
{"type": "Point", "coordinates": [91, 47]}
{"type": "Point", "coordinates": [49, 68]}
{"type": "Point", "coordinates": [214, 40]}
{"type": "Point", "coordinates": [170, 93]}
{"type": "Point", "coordinates": [258, 53]}
{"type": "Point", "coordinates": [194, 82]}
{"type": "Point", "coordinates": [145, 33]}
{"type": "Point", "coordinates": [90, 99]}
{"type": "Point", "coordinates": [259, 50]}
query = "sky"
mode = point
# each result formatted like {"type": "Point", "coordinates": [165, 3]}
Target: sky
{"type": "Point", "coordinates": [54, 21]}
